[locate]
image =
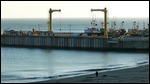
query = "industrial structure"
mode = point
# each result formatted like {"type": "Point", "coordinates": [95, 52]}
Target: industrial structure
{"type": "Point", "coordinates": [80, 42]}
{"type": "Point", "coordinates": [105, 20]}
{"type": "Point", "coordinates": [92, 38]}
{"type": "Point", "coordinates": [50, 19]}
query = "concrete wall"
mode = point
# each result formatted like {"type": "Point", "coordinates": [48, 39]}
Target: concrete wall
{"type": "Point", "coordinates": [76, 42]}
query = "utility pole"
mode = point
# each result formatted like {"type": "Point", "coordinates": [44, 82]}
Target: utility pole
{"type": "Point", "coordinates": [143, 25]}
{"type": "Point", "coordinates": [50, 19]}
{"type": "Point", "coordinates": [105, 20]}
{"type": "Point", "coordinates": [122, 24]}
{"type": "Point", "coordinates": [134, 23]}
{"type": "Point", "coordinates": [114, 24]}
{"type": "Point", "coordinates": [70, 28]}
{"type": "Point", "coordinates": [39, 26]}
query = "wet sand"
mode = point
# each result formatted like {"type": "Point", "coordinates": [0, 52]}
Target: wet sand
{"type": "Point", "coordinates": [130, 75]}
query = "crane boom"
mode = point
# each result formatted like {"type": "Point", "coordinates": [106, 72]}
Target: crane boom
{"type": "Point", "coordinates": [98, 10]}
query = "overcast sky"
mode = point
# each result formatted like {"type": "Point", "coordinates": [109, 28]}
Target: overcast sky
{"type": "Point", "coordinates": [73, 9]}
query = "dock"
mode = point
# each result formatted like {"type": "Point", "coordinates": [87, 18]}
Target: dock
{"type": "Point", "coordinates": [80, 42]}
{"type": "Point", "coordinates": [92, 38]}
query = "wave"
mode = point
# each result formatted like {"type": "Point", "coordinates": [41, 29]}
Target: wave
{"type": "Point", "coordinates": [141, 63]}
{"type": "Point", "coordinates": [14, 77]}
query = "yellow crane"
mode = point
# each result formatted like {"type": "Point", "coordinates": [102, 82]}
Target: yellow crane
{"type": "Point", "coordinates": [105, 20]}
{"type": "Point", "coordinates": [50, 19]}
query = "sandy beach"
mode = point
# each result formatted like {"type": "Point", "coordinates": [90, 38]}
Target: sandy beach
{"type": "Point", "coordinates": [130, 75]}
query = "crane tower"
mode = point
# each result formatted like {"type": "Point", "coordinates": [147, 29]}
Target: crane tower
{"type": "Point", "coordinates": [105, 20]}
{"type": "Point", "coordinates": [50, 19]}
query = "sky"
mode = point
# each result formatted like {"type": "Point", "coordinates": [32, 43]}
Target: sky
{"type": "Point", "coordinates": [74, 9]}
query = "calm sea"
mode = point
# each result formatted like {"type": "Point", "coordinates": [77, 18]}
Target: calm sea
{"type": "Point", "coordinates": [22, 65]}
{"type": "Point", "coordinates": [70, 24]}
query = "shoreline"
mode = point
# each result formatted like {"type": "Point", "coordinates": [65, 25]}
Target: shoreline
{"type": "Point", "coordinates": [138, 74]}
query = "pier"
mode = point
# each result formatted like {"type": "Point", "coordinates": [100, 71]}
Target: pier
{"type": "Point", "coordinates": [80, 42]}
{"type": "Point", "coordinates": [92, 38]}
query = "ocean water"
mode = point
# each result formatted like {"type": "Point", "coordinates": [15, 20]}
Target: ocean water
{"type": "Point", "coordinates": [23, 65]}
{"type": "Point", "coordinates": [70, 24]}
